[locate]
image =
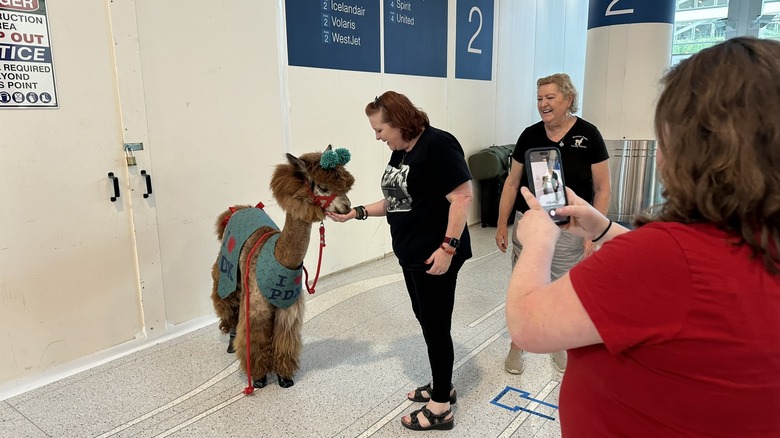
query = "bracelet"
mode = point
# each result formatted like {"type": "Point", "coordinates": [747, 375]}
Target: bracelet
{"type": "Point", "coordinates": [448, 251]}
{"type": "Point", "coordinates": [604, 233]}
{"type": "Point", "coordinates": [360, 213]}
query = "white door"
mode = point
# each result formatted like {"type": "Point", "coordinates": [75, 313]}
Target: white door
{"type": "Point", "coordinates": [68, 282]}
{"type": "Point", "coordinates": [212, 93]}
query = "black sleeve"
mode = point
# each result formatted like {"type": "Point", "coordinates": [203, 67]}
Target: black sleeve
{"type": "Point", "coordinates": [524, 143]}
{"type": "Point", "coordinates": [599, 151]}
{"type": "Point", "coordinates": [452, 170]}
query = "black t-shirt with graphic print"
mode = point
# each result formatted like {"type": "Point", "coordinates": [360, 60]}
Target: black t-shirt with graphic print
{"type": "Point", "coordinates": [581, 147]}
{"type": "Point", "coordinates": [415, 185]}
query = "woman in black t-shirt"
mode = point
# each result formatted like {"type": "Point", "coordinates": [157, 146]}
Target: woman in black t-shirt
{"type": "Point", "coordinates": [427, 192]}
{"type": "Point", "coordinates": [585, 170]}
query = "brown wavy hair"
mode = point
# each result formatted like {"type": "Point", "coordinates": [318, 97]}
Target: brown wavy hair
{"type": "Point", "coordinates": [399, 112]}
{"type": "Point", "coordinates": [718, 125]}
{"type": "Point", "coordinates": [566, 87]}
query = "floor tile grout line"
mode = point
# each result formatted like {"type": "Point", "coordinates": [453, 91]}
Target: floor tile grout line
{"type": "Point", "coordinates": [334, 297]}
{"type": "Point", "coordinates": [487, 315]}
{"type": "Point", "coordinates": [374, 282]}
{"type": "Point", "coordinates": [232, 368]}
{"type": "Point", "coordinates": [476, 259]}
{"type": "Point", "coordinates": [21, 414]}
{"type": "Point", "coordinates": [375, 427]}
{"type": "Point", "coordinates": [392, 414]}
{"type": "Point", "coordinates": [200, 416]}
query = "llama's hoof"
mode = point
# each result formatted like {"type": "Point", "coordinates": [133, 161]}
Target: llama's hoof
{"type": "Point", "coordinates": [231, 349]}
{"type": "Point", "coordinates": [261, 382]}
{"type": "Point", "coordinates": [285, 382]}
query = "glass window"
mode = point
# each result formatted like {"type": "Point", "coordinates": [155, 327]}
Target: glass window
{"type": "Point", "coordinates": [683, 5]}
{"type": "Point", "coordinates": [698, 24]}
{"type": "Point", "coordinates": [769, 21]}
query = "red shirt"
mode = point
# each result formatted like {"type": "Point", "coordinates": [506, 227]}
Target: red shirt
{"type": "Point", "coordinates": [691, 330]}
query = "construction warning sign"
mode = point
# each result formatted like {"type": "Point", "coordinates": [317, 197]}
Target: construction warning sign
{"type": "Point", "coordinates": [26, 68]}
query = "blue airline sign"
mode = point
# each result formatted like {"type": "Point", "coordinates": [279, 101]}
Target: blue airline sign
{"type": "Point", "coordinates": [337, 34]}
{"type": "Point", "coordinates": [416, 37]}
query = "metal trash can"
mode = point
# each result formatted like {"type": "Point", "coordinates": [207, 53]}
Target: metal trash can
{"type": "Point", "coordinates": [634, 177]}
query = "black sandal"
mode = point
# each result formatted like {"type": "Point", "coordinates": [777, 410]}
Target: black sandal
{"type": "Point", "coordinates": [437, 422]}
{"type": "Point", "coordinates": [418, 397]}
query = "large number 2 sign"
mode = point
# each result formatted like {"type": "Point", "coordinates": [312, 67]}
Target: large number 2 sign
{"type": "Point", "coordinates": [611, 11]}
{"type": "Point", "coordinates": [473, 37]}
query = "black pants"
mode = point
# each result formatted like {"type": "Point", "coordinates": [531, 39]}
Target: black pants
{"type": "Point", "coordinates": [433, 297]}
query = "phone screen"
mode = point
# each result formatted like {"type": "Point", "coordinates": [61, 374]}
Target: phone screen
{"type": "Point", "coordinates": [545, 179]}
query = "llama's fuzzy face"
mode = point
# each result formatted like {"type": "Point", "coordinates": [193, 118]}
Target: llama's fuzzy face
{"type": "Point", "coordinates": [296, 183]}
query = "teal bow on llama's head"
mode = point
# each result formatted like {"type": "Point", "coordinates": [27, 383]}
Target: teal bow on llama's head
{"type": "Point", "coordinates": [334, 157]}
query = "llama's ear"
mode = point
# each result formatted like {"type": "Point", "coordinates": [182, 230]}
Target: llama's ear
{"type": "Point", "coordinates": [329, 148]}
{"type": "Point", "coordinates": [297, 163]}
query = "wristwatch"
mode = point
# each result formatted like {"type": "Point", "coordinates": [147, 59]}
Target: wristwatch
{"type": "Point", "coordinates": [451, 241]}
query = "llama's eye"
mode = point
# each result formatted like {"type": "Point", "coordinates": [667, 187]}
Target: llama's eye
{"type": "Point", "coordinates": [323, 189]}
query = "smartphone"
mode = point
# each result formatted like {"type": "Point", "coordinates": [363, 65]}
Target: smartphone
{"type": "Point", "coordinates": [545, 180]}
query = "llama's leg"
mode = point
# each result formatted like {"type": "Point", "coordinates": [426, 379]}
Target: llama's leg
{"type": "Point", "coordinates": [262, 316]}
{"type": "Point", "coordinates": [233, 301]}
{"type": "Point", "coordinates": [287, 343]}
{"type": "Point", "coordinates": [226, 309]}
{"type": "Point", "coordinates": [231, 343]}
{"type": "Point", "coordinates": [260, 326]}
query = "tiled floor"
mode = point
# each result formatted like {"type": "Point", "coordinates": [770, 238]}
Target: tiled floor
{"type": "Point", "coordinates": [362, 352]}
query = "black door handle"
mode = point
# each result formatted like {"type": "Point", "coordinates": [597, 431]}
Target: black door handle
{"type": "Point", "coordinates": [148, 178]}
{"type": "Point", "coordinates": [116, 186]}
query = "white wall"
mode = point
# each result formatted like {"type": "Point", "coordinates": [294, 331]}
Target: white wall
{"type": "Point", "coordinates": [536, 38]}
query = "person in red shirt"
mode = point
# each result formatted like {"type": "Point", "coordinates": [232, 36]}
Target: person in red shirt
{"type": "Point", "coordinates": [673, 329]}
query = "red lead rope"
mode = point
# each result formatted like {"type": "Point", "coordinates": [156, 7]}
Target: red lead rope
{"type": "Point", "coordinates": [250, 387]}
{"type": "Point", "coordinates": [319, 261]}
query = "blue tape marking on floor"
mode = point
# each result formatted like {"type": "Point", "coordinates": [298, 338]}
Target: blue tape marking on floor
{"type": "Point", "coordinates": [526, 395]}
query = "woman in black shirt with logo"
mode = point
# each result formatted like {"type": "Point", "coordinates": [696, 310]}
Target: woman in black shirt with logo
{"type": "Point", "coordinates": [427, 192]}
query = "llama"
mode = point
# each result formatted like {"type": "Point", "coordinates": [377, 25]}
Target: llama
{"type": "Point", "coordinates": [305, 188]}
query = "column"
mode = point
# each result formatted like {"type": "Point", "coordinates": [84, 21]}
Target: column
{"type": "Point", "coordinates": [628, 50]}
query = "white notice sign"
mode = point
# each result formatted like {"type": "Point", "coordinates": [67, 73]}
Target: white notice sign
{"type": "Point", "coordinates": [26, 68]}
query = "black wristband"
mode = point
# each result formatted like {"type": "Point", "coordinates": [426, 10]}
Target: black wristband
{"type": "Point", "coordinates": [604, 233]}
{"type": "Point", "coordinates": [360, 213]}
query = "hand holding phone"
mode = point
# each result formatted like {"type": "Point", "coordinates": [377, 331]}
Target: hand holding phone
{"type": "Point", "coordinates": [545, 180]}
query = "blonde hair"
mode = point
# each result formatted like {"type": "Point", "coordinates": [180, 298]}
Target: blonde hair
{"type": "Point", "coordinates": [565, 85]}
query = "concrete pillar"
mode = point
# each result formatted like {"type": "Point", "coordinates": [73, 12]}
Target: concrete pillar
{"type": "Point", "coordinates": [628, 50]}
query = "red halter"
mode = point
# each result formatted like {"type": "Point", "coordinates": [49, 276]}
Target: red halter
{"type": "Point", "coordinates": [322, 201]}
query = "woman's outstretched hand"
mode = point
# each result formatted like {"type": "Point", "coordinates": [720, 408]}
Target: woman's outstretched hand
{"type": "Point", "coordinates": [336, 217]}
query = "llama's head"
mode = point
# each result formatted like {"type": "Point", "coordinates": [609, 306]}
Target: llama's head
{"type": "Point", "coordinates": [307, 186]}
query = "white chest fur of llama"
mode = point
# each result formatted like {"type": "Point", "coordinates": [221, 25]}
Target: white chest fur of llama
{"type": "Point", "coordinates": [258, 259]}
